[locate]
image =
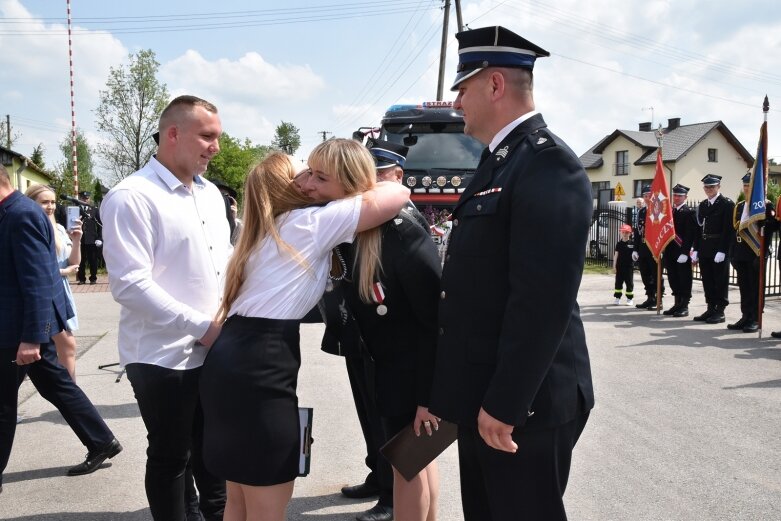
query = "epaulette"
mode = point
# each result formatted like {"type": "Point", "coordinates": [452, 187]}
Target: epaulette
{"type": "Point", "coordinates": [540, 139]}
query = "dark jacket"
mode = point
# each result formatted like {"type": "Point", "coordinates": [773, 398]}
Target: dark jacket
{"type": "Point", "coordinates": [685, 231]}
{"type": "Point", "coordinates": [91, 227]}
{"type": "Point", "coordinates": [403, 341]}
{"type": "Point", "coordinates": [715, 233]}
{"type": "Point", "coordinates": [741, 251]}
{"type": "Point", "coordinates": [510, 335]}
{"type": "Point", "coordinates": [32, 295]}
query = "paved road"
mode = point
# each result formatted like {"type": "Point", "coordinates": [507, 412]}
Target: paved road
{"type": "Point", "coordinates": [686, 427]}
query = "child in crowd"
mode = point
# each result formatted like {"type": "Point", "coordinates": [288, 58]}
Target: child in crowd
{"type": "Point", "coordinates": [622, 266]}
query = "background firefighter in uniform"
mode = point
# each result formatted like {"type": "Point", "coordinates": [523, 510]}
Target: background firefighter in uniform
{"type": "Point", "coordinates": [746, 263]}
{"type": "Point", "coordinates": [676, 254]}
{"type": "Point", "coordinates": [711, 248]}
{"type": "Point", "coordinates": [642, 255]}
{"type": "Point", "coordinates": [623, 266]}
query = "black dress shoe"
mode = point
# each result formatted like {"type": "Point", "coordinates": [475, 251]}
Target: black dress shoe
{"type": "Point", "coordinates": [751, 327]}
{"type": "Point", "coordinates": [776, 334]}
{"type": "Point", "coordinates": [671, 311]}
{"type": "Point", "coordinates": [361, 491]}
{"type": "Point", "coordinates": [705, 316]}
{"type": "Point", "coordinates": [739, 324]}
{"type": "Point", "coordinates": [94, 459]}
{"type": "Point", "coordinates": [645, 305]}
{"type": "Point", "coordinates": [376, 513]}
{"type": "Point", "coordinates": [716, 318]}
{"type": "Point", "coordinates": [81, 282]}
{"type": "Point", "coordinates": [681, 312]}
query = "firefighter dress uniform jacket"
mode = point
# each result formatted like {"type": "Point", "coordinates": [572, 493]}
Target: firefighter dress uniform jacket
{"type": "Point", "coordinates": [510, 335]}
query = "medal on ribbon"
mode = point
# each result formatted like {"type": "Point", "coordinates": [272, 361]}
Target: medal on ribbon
{"type": "Point", "coordinates": [379, 297]}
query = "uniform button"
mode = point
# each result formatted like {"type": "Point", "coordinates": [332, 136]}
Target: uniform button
{"type": "Point", "coordinates": [442, 295]}
{"type": "Point", "coordinates": [211, 248]}
{"type": "Point", "coordinates": [479, 207]}
{"type": "Point", "coordinates": [441, 331]}
{"type": "Point", "coordinates": [455, 222]}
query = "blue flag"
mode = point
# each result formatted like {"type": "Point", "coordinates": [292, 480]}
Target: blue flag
{"type": "Point", "coordinates": [754, 209]}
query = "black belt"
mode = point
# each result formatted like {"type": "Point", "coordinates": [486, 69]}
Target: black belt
{"type": "Point", "coordinates": [707, 236]}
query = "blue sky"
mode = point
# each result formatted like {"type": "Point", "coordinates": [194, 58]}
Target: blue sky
{"type": "Point", "coordinates": [335, 65]}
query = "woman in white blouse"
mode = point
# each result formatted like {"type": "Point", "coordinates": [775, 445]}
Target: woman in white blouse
{"type": "Point", "coordinates": [278, 272]}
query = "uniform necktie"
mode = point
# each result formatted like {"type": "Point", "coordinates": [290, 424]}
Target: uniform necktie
{"type": "Point", "coordinates": [484, 155]}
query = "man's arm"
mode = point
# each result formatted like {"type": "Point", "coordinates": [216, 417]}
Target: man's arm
{"type": "Point", "coordinates": [129, 223]}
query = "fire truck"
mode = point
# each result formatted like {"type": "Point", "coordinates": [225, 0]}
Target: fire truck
{"type": "Point", "coordinates": [441, 159]}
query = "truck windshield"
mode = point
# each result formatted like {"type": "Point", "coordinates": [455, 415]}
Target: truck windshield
{"type": "Point", "coordinates": [438, 145]}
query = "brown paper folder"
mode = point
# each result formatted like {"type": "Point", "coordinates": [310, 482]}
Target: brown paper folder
{"type": "Point", "coordinates": [409, 454]}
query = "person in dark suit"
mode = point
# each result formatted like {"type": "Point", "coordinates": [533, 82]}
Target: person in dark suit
{"type": "Point", "coordinates": [676, 254]}
{"type": "Point", "coordinates": [644, 258]}
{"type": "Point", "coordinates": [91, 240]}
{"type": "Point", "coordinates": [711, 248]}
{"type": "Point", "coordinates": [512, 366]}
{"type": "Point", "coordinates": [746, 263]}
{"type": "Point", "coordinates": [35, 308]}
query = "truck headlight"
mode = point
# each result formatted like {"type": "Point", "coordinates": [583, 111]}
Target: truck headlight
{"type": "Point", "coordinates": [455, 181]}
{"type": "Point", "coordinates": [412, 181]}
{"type": "Point", "coordinates": [426, 181]}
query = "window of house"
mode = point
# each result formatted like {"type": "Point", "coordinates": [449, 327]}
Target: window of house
{"type": "Point", "coordinates": [622, 162]}
{"type": "Point", "coordinates": [638, 183]}
{"type": "Point", "coordinates": [713, 155]}
{"type": "Point", "coordinates": [5, 158]}
{"type": "Point", "coordinates": [596, 187]}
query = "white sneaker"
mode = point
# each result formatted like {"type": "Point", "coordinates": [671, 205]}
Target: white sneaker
{"type": "Point", "coordinates": [630, 302]}
{"type": "Point", "coordinates": [617, 302]}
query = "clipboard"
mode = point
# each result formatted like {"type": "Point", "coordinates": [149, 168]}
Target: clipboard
{"type": "Point", "coordinates": [409, 454]}
{"type": "Point", "coordinates": [305, 457]}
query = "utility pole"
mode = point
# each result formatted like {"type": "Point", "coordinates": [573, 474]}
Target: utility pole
{"type": "Point", "coordinates": [443, 52]}
{"type": "Point", "coordinates": [324, 134]}
{"type": "Point", "coordinates": [459, 20]}
{"type": "Point", "coordinates": [8, 131]}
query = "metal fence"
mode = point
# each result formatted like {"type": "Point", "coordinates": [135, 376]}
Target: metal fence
{"type": "Point", "coordinates": [604, 234]}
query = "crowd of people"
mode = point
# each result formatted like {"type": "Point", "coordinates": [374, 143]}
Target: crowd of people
{"type": "Point", "coordinates": [709, 236]}
{"type": "Point", "coordinates": [209, 331]}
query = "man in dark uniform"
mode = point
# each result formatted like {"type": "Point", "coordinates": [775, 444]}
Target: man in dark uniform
{"type": "Point", "coordinates": [644, 258]}
{"type": "Point", "coordinates": [711, 248]}
{"type": "Point", "coordinates": [676, 254]}
{"type": "Point", "coordinates": [90, 240]}
{"type": "Point", "coordinates": [746, 263]}
{"type": "Point", "coordinates": [512, 364]}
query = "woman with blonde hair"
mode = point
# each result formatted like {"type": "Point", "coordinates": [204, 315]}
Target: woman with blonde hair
{"type": "Point", "coordinates": [68, 257]}
{"type": "Point", "coordinates": [391, 288]}
{"type": "Point", "coordinates": [277, 273]}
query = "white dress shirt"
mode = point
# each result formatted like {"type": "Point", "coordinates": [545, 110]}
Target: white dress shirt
{"type": "Point", "coordinates": [166, 249]}
{"type": "Point", "coordinates": [276, 285]}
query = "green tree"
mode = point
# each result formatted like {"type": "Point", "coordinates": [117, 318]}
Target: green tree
{"type": "Point", "coordinates": [234, 161]}
{"type": "Point", "coordinates": [287, 138]}
{"type": "Point", "coordinates": [63, 182]}
{"type": "Point", "coordinates": [128, 113]}
{"type": "Point", "coordinates": [37, 156]}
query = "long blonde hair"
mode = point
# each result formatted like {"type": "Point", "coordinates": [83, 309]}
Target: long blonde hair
{"type": "Point", "coordinates": [354, 168]}
{"type": "Point", "coordinates": [33, 191]}
{"type": "Point", "coordinates": [268, 192]}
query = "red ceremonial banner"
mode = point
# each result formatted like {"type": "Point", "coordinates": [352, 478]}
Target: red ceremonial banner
{"type": "Point", "coordinates": [659, 226]}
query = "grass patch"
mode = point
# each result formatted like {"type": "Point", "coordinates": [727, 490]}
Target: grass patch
{"type": "Point", "coordinates": [596, 269]}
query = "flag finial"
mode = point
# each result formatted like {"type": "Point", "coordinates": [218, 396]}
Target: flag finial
{"type": "Point", "coordinates": [766, 105]}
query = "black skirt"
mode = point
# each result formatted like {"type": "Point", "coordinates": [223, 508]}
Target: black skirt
{"type": "Point", "coordinates": [248, 392]}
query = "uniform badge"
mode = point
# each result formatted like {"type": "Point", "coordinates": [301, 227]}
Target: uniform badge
{"type": "Point", "coordinates": [398, 221]}
{"type": "Point", "coordinates": [541, 140]}
{"type": "Point", "coordinates": [502, 152]}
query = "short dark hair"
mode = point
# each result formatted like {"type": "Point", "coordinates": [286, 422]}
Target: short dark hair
{"type": "Point", "coordinates": [184, 103]}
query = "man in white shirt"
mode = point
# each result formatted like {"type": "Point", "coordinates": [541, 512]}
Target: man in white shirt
{"type": "Point", "coordinates": [166, 247]}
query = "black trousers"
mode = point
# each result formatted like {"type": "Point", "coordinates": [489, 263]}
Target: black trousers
{"type": "Point", "coordinates": [53, 383]}
{"type": "Point", "coordinates": [715, 281]}
{"type": "Point", "coordinates": [624, 276]}
{"type": "Point", "coordinates": [361, 375]}
{"type": "Point", "coordinates": [530, 484]}
{"type": "Point", "coordinates": [89, 257]}
{"type": "Point", "coordinates": [748, 283]}
{"type": "Point", "coordinates": [679, 276]}
{"type": "Point", "coordinates": [648, 269]}
{"type": "Point", "coordinates": [169, 403]}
